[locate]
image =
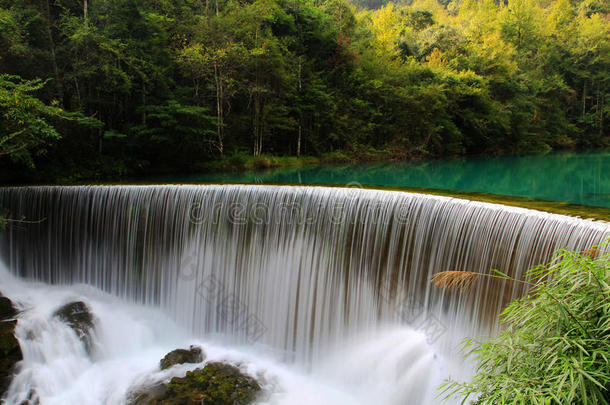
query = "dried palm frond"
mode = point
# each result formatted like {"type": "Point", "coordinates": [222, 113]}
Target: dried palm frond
{"type": "Point", "coordinates": [462, 280]}
{"type": "Point", "coordinates": [591, 253]}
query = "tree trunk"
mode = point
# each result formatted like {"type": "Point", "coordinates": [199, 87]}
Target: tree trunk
{"type": "Point", "coordinates": [259, 126]}
{"type": "Point", "coordinates": [256, 125]}
{"type": "Point", "coordinates": [219, 99]}
{"type": "Point", "coordinates": [143, 103]}
{"type": "Point", "coordinates": [300, 127]}
{"type": "Point", "coordinates": [601, 118]}
{"type": "Point", "coordinates": [299, 142]}
{"type": "Point", "coordinates": [584, 99]}
{"type": "Point", "coordinates": [52, 50]}
{"type": "Point", "coordinates": [600, 106]}
{"type": "Point", "coordinates": [85, 9]}
{"type": "Point", "coordinates": [78, 98]}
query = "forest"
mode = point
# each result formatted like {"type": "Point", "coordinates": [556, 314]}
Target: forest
{"type": "Point", "coordinates": [101, 89]}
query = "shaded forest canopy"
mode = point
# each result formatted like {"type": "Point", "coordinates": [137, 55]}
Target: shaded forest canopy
{"type": "Point", "coordinates": [104, 88]}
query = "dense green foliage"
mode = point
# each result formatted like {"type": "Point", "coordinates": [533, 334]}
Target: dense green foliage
{"type": "Point", "coordinates": [27, 125]}
{"type": "Point", "coordinates": [556, 346]}
{"type": "Point", "coordinates": [177, 83]}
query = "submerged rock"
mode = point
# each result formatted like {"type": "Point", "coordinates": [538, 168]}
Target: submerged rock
{"type": "Point", "coordinates": [146, 395]}
{"type": "Point", "coordinates": [181, 356]}
{"type": "Point", "coordinates": [32, 398]}
{"type": "Point", "coordinates": [215, 384]}
{"type": "Point", "coordinates": [10, 351]}
{"type": "Point", "coordinates": [78, 317]}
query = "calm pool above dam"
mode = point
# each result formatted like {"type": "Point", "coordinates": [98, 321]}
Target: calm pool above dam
{"type": "Point", "coordinates": [575, 177]}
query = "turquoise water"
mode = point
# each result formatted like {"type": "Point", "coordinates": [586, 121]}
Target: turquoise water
{"type": "Point", "coordinates": [577, 177]}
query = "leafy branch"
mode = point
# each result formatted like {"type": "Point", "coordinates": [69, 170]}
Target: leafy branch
{"type": "Point", "coordinates": [555, 348]}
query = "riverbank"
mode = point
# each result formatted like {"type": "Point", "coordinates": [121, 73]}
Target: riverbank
{"type": "Point", "coordinates": [111, 170]}
{"type": "Point", "coordinates": [245, 162]}
{"type": "Point", "coordinates": [554, 207]}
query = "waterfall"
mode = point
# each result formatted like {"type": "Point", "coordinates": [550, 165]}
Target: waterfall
{"type": "Point", "coordinates": [298, 269]}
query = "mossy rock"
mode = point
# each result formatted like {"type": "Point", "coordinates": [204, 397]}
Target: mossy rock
{"type": "Point", "coordinates": [180, 356]}
{"type": "Point", "coordinates": [10, 351]}
{"type": "Point", "coordinates": [78, 317]}
{"type": "Point", "coordinates": [215, 384]}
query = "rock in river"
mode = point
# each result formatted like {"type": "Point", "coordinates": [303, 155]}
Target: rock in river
{"type": "Point", "coordinates": [10, 351]}
{"type": "Point", "coordinates": [78, 317]}
{"type": "Point", "coordinates": [181, 356]}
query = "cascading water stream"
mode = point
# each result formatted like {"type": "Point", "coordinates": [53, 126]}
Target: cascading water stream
{"type": "Point", "coordinates": [305, 273]}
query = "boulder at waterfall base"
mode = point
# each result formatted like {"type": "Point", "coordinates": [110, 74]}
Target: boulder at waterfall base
{"type": "Point", "coordinates": [10, 351]}
{"type": "Point", "coordinates": [78, 317]}
{"type": "Point", "coordinates": [180, 356]}
{"type": "Point", "coordinates": [215, 384]}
